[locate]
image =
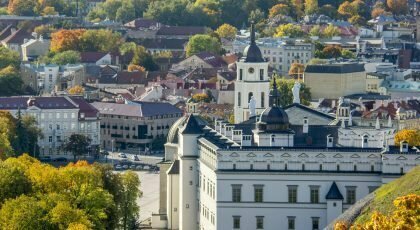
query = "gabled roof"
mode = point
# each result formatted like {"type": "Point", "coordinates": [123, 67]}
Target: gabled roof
{"type": "Point", "coordinates": [91, 57]}
{"type": "Point", "coordinates": [137, 109]}
{"type": "Point", "coordinates": [6, 32]}
{"type": "Point", "coordinates": [141, 23]}
{"type": "Point", "coordinates": [172, 44]}
{"type": "Point", "coordinates": [17, 37]}
{"type": "Point", "coordinates": [192, 126]}
{"type": "Point", "coordinates": [334, 193]}
{"type": "Point", "coordinates": [182, 30]}
{"type": "Point", "coordinates": [212, 59]}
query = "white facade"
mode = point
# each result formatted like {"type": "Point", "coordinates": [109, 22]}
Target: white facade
{"type": "Point", "coordinates": [252, 80]}
{"type": "Point", "coordinates": [58, 118]}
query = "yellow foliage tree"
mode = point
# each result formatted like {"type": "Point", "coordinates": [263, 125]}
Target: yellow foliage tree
{"type": "Point", "coordinates": [63, 40]}
{"type": "Point", "coordinates": [76, 90]}
{"type": "Point", "coordinates": [201, 97]}
{"type": "Point", "coordinates": [133, 68]}
{"type": "Point", "coordinates": [412, 136]}
{"type": "Point", "coordinates": [397, 6]}
{"type": "Point", "coordinates": [406, 216]}
{"type": "Point", "coordinates": [296, 70]}
{"type": "Point", "coordinates": [279, 9]}
{"type": "Point", "coordinates": [289, 30]}
{"type": "Point", "coordinates": [227, 31]}
{"type": "Point", "coordinates": [49, 10]}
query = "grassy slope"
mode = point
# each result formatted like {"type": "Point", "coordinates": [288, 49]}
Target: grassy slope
{"type": "Point", "coordinates": [386, 194]}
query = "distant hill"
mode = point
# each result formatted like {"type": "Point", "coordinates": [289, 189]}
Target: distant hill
{"type": "Point", "coordinates": [386, 194]}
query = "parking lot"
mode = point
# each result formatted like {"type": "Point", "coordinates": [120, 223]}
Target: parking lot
{"type": "Point", "coordinates": [124, 161]}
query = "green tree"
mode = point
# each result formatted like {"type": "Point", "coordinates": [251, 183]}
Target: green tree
{"type": "Point", "coordinates": [9, 58]}
{"type": "Point", "coordinates": [131, 192]}
{"type": "Point", "coordinates": [23, 213]}
{"type": "Point", "coordinates": [10, 82]}
{"type": "Point", "coordinates": [332, 51]}
{"type": "Point", "coordinates": [13, 182]}
{"type": "Point", "coordinates": [285, 86]}
{"type": "Point", "coordinates": [125, 13]}
{"type": "Point", "coordinates": [77, 144]}
{"type": "Point", "coordinates": [316, 31]}
{"type": "Point", "coordinates": [66, 57]}
{"type": "Point", "coordinates": [347, 54]}
{"type": "Point", "coordinates": [100, 40]}
{"type": "Point", "coordinates": [311, 6]}
{"type": "Point", "coordinates": [202, 42]}
{"type": "Point", "coordinates": [289, 30]}
{"type": "Point", "coordinates": [328, 10]}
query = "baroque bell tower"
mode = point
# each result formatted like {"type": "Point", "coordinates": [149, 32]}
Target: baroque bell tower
{"type": "Point", "coordinates": [251, 81]}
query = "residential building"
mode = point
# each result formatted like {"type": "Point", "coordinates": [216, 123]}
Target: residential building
{"type": "Point", "coordinates": [280, 53]}
{"type": "Point", "coordinates": [332, 81]}
{"type": "Point", "coordinates": [16, 39]}
{"type": "Point", "coordinates": [96, 58]}
{"type": "Point", "coordinates": [275, 168]}
{"type": "Point", "coordinates": [135, 124]}
{"type": "Point", "coordinates": [203, 60]}
{"type": "Point", "coordinates": [34, 48]}
{"type": "Point", "coordinates": [58, 118]}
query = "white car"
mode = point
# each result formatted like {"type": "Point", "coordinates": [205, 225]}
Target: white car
{"type": "Point", "coordinates": [122, 155]}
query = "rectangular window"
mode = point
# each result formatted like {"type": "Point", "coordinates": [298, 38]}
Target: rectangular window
{"type": "Point", "coordinates": [260, 222]}
{"type": "Point", "coordinates": [236, 193]}
{"type": "Point", "coordinates": [241, 72]}
{"type": "Point", "coordinates": [258, 193]}
{"type": "Point", "coordinates": [262, 99]}
{"type": "Point", "coordinates": [292, 193]}
{"type": "Point", "coordinates": [236, 222]}
{"type": "Point", "coordinates": [315, 223]}
{"type": "Point", "coordinates": [314, 194]}
{"type": "Point", "coordinates": [239, 99]}
{"type": "Point", "coordinates": [291, 222]}
{"type": "Point", "coordinates": [50, 139]}
{"type": "Point", "coordinates": [351, 194]}
{"type": "Point", "coordinates": [261, 74]}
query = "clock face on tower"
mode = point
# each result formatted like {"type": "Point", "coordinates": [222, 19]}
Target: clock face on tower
{"type": "Point", "coordinates": [251, 70]}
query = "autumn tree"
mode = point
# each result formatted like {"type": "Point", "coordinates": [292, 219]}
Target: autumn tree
{"type": "Point", "coordinates": [227, 31]}
{"type": "Point", "coordinates": [49, 10]}
{"type": "Point", "coordinates": [296, 70]}
{"type": "Point", "coordinates": [412, 136]}
{"type": "Point", "coordinates": [289, 30]}
{"type": "Point", "coordinates": [22, 7]}
{"type": "Point", "coordinates": [331, 31]}
{"type": "Point", "coordinates": [316, 31]}
{"type": "Point", "coordinates": [137, 68]}
{"type": "Point", "coordinates": [311, 7]}
{"type": "Point", "coordinates": [130, 194]}
{"type": "Point", "coordinates": [100, 40]}
{"type": "Point", "coordinates": [201, 97]}
{"type": "Point", "coordinates": [297, 8]}
{"type": "Point", "coordinates": [378, 9]}
{"type": "Point", "coordinates": [76, 90]}
{"type": "Point", "coordinates": [397, 7]}
{"type": "Point", "coordinates": [332, 51]}
{"type": "Point", "coordinates": [279, 9]}
{"type": "Point", "coordinates": [63, 40]}
{"type": "Point", "coordinates": [202, 42]}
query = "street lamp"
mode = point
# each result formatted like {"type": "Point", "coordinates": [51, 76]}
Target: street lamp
{"type": "Point", "coordinates": [112, 151]}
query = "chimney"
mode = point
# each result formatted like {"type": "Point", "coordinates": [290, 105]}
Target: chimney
{"type": "Point", "coordinates": [305, 125]}
{"type": "Point", "coordinates": [403, 146]}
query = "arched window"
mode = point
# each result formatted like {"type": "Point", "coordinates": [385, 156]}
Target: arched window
{"type": "Point", "coordinates": [250, 94]}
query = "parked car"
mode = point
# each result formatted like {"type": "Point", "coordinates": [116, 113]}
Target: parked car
{"type": "Point", "coordinates": [118, 167]}
{"type": "Point", "coordinates": [60, 159]}
{"type": "Point", "coordinates": [135, 158]}
{"type": "Point", "coordinates": [139, 167]}
{"type": "Point", "coordinates": [122, 155]}
{"type": "Point", "coordinates": [132, 167]}
{"type": "Point", "coordinates": [45, 159]}
{"type": "Point", "coordinates": [125, 166]}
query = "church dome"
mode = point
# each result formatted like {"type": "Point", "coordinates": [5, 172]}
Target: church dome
{"type": "Point", "coordinates": [274, 119]}
{"type": "Point", "coordinates": [252, 53]}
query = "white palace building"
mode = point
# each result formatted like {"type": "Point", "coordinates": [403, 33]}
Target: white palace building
{"type": "Point", "coordinates": [276, 168]}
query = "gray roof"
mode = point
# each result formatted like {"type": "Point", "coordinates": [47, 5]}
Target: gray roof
{"type": "Point", "coordinates": [174, 169]}
{"type": "Point", "coordinates": [335, 68]}
{"type": "Point", "coordinates": [334, 193]}
{"type": "Point", "coordinates": [137, 109]}
{"type": "Point", "coordinates": [173, 131]}
{"type": "Point", "coordinates": [192, 126]}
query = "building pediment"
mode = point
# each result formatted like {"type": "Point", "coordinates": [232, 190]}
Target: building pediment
{"type": "Point", "coordinates": [303, 155]}
{"type": "Point", "coordinates": [372, 156]}
{"type": "Point", "coordinates": [402, 158]}
{"type": "Point", "coordinates": [234, 155]}
{"type": "Point", "coordinates": [355, 156]}
{"type": "Point", "coordinates": [320, 155]}
{"type": "Point", "coordinates": [251, 155]}
{"type": "Point", "coordinates": [268, 155]}
{"type": "Point", "coordinates": [285, 155]}
{"type": "Point", "coordinates": [338, 155]}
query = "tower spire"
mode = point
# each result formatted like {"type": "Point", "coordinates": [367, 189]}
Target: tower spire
{"type": "Point", "coordinates": [252, 33]}
{"type": "Point", "coordinates": [274, 95]}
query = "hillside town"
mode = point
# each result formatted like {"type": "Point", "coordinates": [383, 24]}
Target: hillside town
{"type": "Point", "coordinates": [209, 114]}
